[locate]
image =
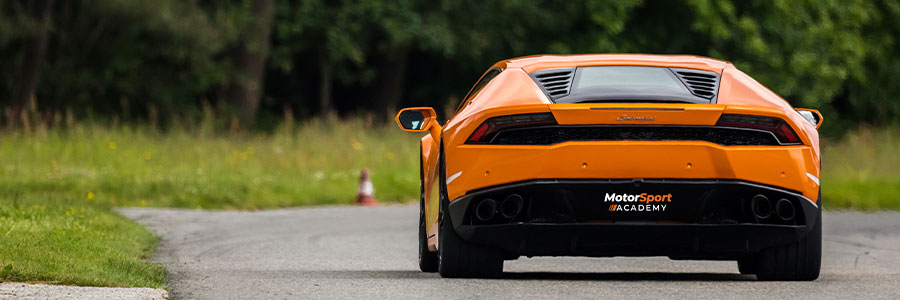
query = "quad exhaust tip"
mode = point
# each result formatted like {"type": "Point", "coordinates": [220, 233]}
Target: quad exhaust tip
{"type": "Point", "coordinates": [486, 209]}
{"type": "Point", "coordinates": [511, 206]}
{"type": "Point", "coordinates": [785, 209]}
{"type": "Point", "coordinates": [761, 207]}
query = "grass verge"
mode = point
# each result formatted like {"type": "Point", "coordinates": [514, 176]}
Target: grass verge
{"type": "Point", "coordinates": [75, 245]}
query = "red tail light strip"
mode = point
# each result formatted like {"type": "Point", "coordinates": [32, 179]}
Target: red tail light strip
{"type": "Point", "coordinates": [489, 128]}
{"type": "Point", "coordinates": [776, 126]}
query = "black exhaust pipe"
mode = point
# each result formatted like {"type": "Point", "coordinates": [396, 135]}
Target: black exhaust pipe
{"type": "Point", "coordinates": [761, 207]}
{"type": "Point", "coordinates": [511, 206]}
{"type": "Point", "coordinates": [785, 209]}
{"type": "Point", "coordinates": [486, 209]}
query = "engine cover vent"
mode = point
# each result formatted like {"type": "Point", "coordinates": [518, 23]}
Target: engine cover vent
{"type": "Point", "coordinates": [702, 84]}
{"type": "Point", "coordinates": [555, 82]}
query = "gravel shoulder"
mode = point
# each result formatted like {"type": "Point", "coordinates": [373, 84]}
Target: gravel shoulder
{"type": "Point", "coordinates": [27, 291]}
{"type": "Point", "coordinates": [369, 252]}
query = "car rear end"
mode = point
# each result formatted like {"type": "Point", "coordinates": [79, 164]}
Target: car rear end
{"type": "Point", "coordinates": [634, 171]}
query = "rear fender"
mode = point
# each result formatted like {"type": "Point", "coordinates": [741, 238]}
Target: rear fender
{"type": "Point", "coordinates": [430, 155]}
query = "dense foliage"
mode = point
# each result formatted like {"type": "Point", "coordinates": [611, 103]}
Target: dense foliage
{"type": "Point", "coordinates": [164, 59]}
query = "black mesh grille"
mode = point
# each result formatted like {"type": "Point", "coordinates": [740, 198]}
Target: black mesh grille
{"type": "Point", "coordinates": [556, 82]}
{"type": "Point", "coordinates": [549, 135]}
{"type": "Point", "coordinates": [701, 83]}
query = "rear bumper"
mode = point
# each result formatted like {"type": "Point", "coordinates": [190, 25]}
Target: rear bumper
{"type": "Point", "coordinates": [702, 219]}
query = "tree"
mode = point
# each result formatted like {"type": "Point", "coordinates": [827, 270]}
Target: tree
{"type": "Point", "coordinates": [127, 59]}
{"type": "Point", "coordinates": [250, 61]}
{"type": "Point", "coordinates": [808, 52]}
{"type": "Point", "coordinates": [32, 61]}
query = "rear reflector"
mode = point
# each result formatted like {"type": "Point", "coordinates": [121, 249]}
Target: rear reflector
{"type": "Point", "coordinates": [486, 131]}
{"type": "Point", "coordinates": [776, 126]}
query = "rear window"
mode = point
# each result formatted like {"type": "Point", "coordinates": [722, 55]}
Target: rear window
{"type": "Point", "coordinates": [628, 78]}
{"type": "Point", "coordinates": [628, 84]}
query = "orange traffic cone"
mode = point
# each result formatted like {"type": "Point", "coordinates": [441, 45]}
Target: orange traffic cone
{"type": "Point", "coordinates": [366, 194]}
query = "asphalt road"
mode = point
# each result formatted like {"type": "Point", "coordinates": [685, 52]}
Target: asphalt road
{"type": "Point", "coordinates": [369, 253]}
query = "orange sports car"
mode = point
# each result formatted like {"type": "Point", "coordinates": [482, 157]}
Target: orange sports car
{"type": "Point", "coordinates": [619, 155]}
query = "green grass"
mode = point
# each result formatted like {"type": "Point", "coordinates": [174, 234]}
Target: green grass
{"type": "Point", "coordinates": [59, 188]}
{"type": "Point", "coordinates": [317, 163]}
{"type": "Point", "coordinates": [862, 171]}
{"type": "Point", "coordinates": [75, 245]}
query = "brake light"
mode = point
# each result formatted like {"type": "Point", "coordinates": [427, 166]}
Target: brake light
{"type": "Point", "coordinates": [490, 127]}
{"type": "Point", "coordinates": [776, 126]}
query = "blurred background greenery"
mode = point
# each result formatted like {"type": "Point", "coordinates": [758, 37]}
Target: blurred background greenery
{"type": "Point", "coordinates": [253, 104]}
{"type": "Point", "coordinates": [249, 61]}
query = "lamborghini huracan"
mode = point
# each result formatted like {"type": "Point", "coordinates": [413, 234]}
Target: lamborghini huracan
{"type": "Point", "coordinates": [619, 155]}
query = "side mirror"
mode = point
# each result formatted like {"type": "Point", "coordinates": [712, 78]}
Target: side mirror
{"type": "Point", "coordinates": [813, 116]}
{"type": "Point", "coordinates": [416, 119]}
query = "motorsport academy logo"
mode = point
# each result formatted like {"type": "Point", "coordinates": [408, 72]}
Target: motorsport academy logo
{"type": "Point", "coordinates": [637, 202]}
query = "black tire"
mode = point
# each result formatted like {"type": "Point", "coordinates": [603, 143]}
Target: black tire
{"type": "Point", "coordinates": [799, 261]}
{"type": "Point", "coordinates": [747, 266]}
{"type": "Point", "coordinates": [428, 261]}
{"type": "Point", "coordinates": [456, 257]}
{"type": "Point", "coordinates": [460, 259]}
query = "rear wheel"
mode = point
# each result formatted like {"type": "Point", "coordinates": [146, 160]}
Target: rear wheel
{"type": "Point", "coordinates": [458, 258]}
{"type": "Point", "coordinates": [428, 261]}
{"type": "Point", "coordinates": [794, 262]}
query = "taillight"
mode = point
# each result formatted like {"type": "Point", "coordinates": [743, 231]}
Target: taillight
{"type": "Point", "coordinates": [486, 131]}
{"type": "Point", "coordinates": [776, 126]}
